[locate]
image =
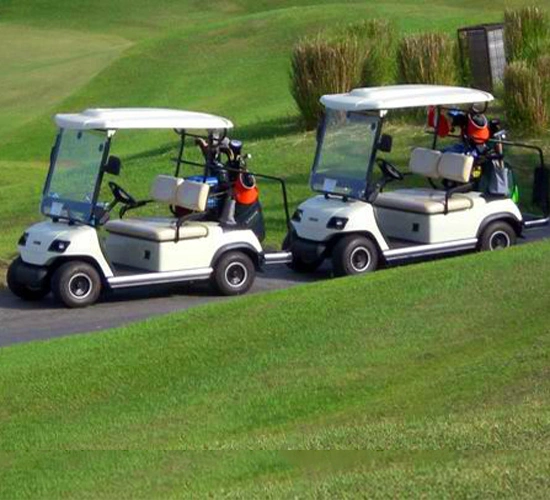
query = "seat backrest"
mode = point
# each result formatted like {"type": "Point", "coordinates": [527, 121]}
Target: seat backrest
{"type": "Point", "coordinates": [455, 167]}
{"type": "Point", "coordinates": [192, 195]}
{"type": "Point", "coordinates": [424, 162]}
{"type": "Point", "coordinates": [164, 189]}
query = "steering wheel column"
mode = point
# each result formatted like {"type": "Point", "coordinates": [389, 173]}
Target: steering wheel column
{"type": "Point", "coordinates": [122, 196]}
{"type": "Point", "coordinates": [390, 173]}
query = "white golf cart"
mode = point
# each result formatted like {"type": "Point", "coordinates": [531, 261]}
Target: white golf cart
{"type": "Point", "coordinates": [358, 224]}
{"type": "Point", "coordinates": [193, 241]}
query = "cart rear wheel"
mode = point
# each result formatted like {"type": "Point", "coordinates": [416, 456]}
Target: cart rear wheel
{"type": "Point", "coordinates": [76, 284]}
{"type": "Point", "coordinates": [354, 255]}
{"type": "Point", "coordinates": [497, 236]}
{"type": "Point", "coordinates": [234, 273]}
{"type": "Point", "coordinates": [23, 291]}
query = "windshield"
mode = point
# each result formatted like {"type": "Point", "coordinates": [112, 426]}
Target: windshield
{"type": "Point", "coordinates": [344, 153]}
{"type": "Point", "coordinates": [72, 180]}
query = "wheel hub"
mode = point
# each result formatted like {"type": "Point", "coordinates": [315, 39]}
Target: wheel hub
{"type": "Point", "coordinates": [236, 274]}
{"type": "Point", "coordinates": [499, 240]}
{"type": "Point", "coordinates": [80, 286]}
{"type": "Point", "coordinates": [360, 259]}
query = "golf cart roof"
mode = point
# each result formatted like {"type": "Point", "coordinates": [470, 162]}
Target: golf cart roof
{"type": "Point", "coordinates": [403, 96]}
{"type": "Point", "coordinates": [141, 118]}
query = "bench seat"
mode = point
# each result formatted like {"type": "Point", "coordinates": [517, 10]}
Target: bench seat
{"type": "Point", "coordinates": [422, 201]}
{"type": "Point", "coordinates": [160, 230]}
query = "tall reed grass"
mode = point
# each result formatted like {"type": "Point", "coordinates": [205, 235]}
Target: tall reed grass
{"type": "Point", "coordinates": [526, 34]}
{"type": "Point", "coordinates": [526, 97]}
{"type": "Point", "coordinates": [322, 65]}
{"type": "Point", "coordinates": [379, 37]}
{"type": "Point", "coordinates": [543, 69]}
{"type": "Point", "coordinates": [429, 58]}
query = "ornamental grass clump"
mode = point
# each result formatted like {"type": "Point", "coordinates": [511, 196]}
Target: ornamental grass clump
{"type": "Point", "coordinates": [543, 68]}
{"type": "Point", "coordinates": [525, 97]}
{"type": "Point", "coordinates": [429, 58]}
{"type": "Point", "coordinates": [323, 65]}
{"type": "Point", "coordinates": [526, 34]}
{"type": "Point", "coordinates": [527, 77]}
{"type": "Point", "coordinates": [379, 39]}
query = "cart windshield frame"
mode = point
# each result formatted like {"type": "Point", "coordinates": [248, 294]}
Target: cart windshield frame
{"type": "Point", "coordinates": [346, 151]}
{"type": "Point", "coordinates": [74, 178]}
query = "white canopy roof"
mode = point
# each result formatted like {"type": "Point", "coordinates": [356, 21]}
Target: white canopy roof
{"type": "Point", "coordinates": [403, 96]}
{"type": "Point", "coordinates": [141, 118]}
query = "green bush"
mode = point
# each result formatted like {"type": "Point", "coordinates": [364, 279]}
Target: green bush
{"type": "Point", "coordinates": [322, 65]}
{"type": "Point", "coordinates": [524, 97]}
{"type": "Point", "coordinates": [543, 68]}
{"type": "Point", "coordinates": [526, 34]}
{"type": "Point", "coordinates": [429, 58]}
{"type": "Point", "coordinates": [379, 37]}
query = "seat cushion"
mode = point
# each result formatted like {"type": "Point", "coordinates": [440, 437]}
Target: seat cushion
{"type": "Point", "coordinates": [164, 189]}
{"type": "Point", "coordinates": [422, 201]}
{"type": "Point", "coordinates": [155, 230]}
{"type": "Point", "coordinates": [455, 167]}
{"type": "Point", "coordinates": [424, 162]}
{"type": "Point", "coordinates": [193, 195]}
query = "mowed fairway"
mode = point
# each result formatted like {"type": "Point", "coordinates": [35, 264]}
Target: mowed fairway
{"type": "Point", "coordinates": [444, 379]}
{"type": "Point", "coordinates": [43, 67]}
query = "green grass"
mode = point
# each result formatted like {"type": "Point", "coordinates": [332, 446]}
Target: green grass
{"type": "Point", "coordinates": [249, 474]}
{"type": "Point", "coordinates": [451, 381]}
{"type": "Point", "coordinates": [57, 63]}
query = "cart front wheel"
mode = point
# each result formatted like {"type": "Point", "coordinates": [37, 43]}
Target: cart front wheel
{"type": "Point", "coordinates": [233, 274]}
{"type": "Point", "coordinates": [354, 255]}
{"type": "Point", "coordinates": [298, 264]}
{"type": "Point", "coordinates": [76, 284]}
{"type": "Point", "coordinates": [497, 236]}
{"type": "Point", "coordinates": [21, 290]}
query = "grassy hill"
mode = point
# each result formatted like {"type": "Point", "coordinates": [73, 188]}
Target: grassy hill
{"type": "Point", "coordinates": [444, 379]}
{"type": "Point", "coordinates": [230, 58]}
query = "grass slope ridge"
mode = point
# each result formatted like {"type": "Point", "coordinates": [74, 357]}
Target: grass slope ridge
{"type": "Point", "coordinates": [451, 355]}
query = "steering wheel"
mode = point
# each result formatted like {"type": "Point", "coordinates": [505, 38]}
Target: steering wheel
{"type": "Point", "coordinates": [389, 170]}
{"type": "Point", "coordinates": [121, 195]}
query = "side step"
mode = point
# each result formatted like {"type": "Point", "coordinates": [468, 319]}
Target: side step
{"type": "Point", "coordinates": [430, 249]}
{"type": "Point", "coordinates": [272, 258]}
{"type": "Point", "coordinates": [159, 278]}
{"type": "Point", "coordinates": [536, 223]}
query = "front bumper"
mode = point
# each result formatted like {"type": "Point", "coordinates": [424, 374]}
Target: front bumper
{"type": "Point", "coordinates": [31, 275]}
{"type": "Point", "coordinates": [307, 250]}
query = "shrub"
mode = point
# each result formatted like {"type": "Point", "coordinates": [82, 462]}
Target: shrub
{"type": "Point", "coordinates": [379, 38]}
{"type": "Point", "coordinates": [428, 58]}
{"type": "Point", "coordinates": [524, 97]}
{"type": "Point", "coordinates": [543, 68]}
{"type": "Point", "coordinates": [526, 34]}
{"type": "Point", "coordinates": [321, 65]}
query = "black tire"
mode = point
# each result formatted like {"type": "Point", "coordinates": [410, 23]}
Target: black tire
{"type": "Point", "coordinates": [497, 236]}
{"type": "Point", "coordinates": [76, 284]}
{"type": "Point", "coordinates": [234, 273]}
{"type": "Point", "coordinates": [298, 264]}
{"type": "Point", "coordinates": [354, 255]}
{"type": "Point", "coordinates": [19, 289]}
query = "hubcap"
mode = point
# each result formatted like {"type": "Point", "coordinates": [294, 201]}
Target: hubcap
{"type": "Point", "coordinates": [499, 240]}
{"type": "Point", "coordinates": [236, 274]}
{"type": "Point", "coordinates": [360, 259]}
{"type": "Point", "coordinates": [80, 286]}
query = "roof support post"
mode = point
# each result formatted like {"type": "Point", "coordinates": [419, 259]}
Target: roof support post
{"type": "Point", "coordinates": [179, 159]}
{"type": "Point", "coordinates": [436, 125]}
